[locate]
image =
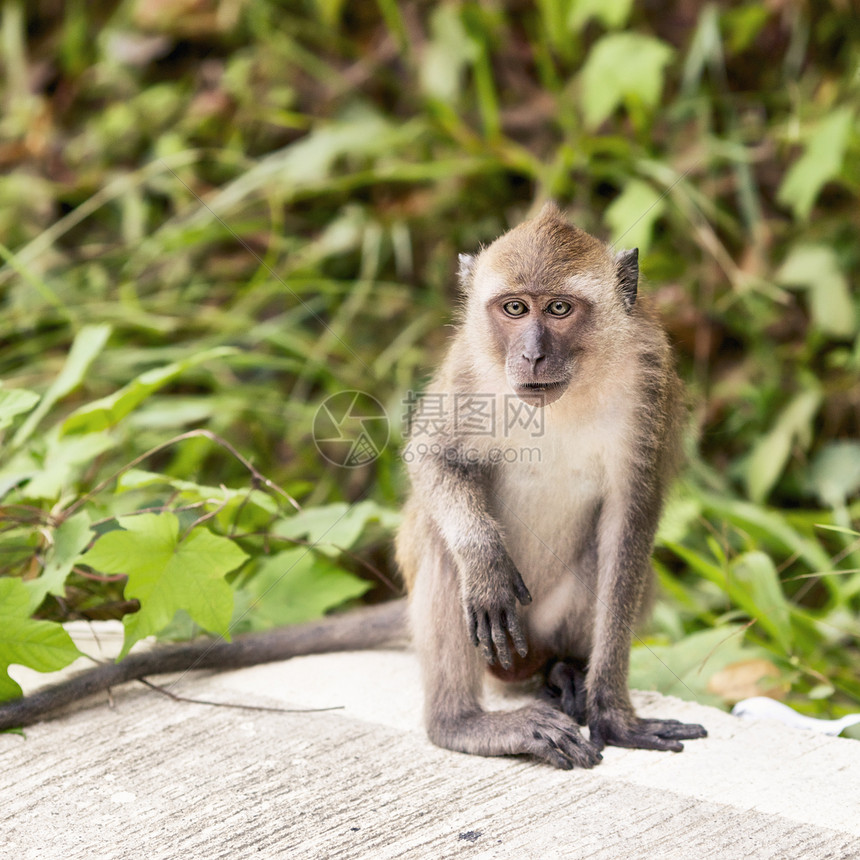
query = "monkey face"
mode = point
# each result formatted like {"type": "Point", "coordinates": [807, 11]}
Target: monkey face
{"type": "Point", "coordinates": [537, 335]}
{"type": "Point", "coordinates": [547, 300]}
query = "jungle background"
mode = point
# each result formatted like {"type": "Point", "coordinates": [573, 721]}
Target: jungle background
{"type": "Point", "coordinates": [215, 214]}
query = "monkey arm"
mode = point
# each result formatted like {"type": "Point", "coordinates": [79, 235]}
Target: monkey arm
{"type": "Point", "coordinates": [367, 627]}
{"type": "Point", "coordinates": [456, 495]}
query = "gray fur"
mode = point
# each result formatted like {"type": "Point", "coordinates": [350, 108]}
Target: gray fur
{"type": "Point", "coordinates": [545, 564]}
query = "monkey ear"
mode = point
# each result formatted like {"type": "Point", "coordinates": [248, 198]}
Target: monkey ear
{"type": "Point", "coordinates": [466, 270]}
{"type": "Point", "coordinates": [627, 276]}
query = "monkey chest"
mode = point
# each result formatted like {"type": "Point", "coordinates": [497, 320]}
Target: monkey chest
{"type": "Point", "coordinates": [548, 503]}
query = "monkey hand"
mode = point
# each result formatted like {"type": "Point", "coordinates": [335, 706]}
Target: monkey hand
{"type": "Point", "coordinates": [622, 729]}
{"type": "Point", "coordinates": [490, 603]}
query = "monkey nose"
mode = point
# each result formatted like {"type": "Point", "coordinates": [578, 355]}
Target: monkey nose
{"type": "Point", "coordinates": [533, 359]}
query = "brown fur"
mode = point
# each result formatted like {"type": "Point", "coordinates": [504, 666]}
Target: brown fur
{"type": "Point", "coordinates": [542, 565]}
{"type": "Point", "coordinates": [546, 252]}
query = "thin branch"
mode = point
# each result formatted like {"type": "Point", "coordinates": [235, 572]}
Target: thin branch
{"type": "Point", "coordinates": [155, 509]}
{"type": "Point", "coordinates": [207, 516]}
{"type": "Point", "coordinates": [237, 706]}
{"type": "Point", "coordinates": [99, 577]}
{"type": "Point", "coordinates": [739, 631]}
{"type": "Point", "coordinates": [191, 434]}
{"type": "Point", "coordinates": [356, 558]}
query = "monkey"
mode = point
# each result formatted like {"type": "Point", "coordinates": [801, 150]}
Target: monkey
{"type": "Point", "coordinates": [526, 544]}
{"type": "Point", "coordinates": [535, 566]}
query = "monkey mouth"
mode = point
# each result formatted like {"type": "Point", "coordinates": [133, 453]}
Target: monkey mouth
{"type": "Point", "coordinates": [540, 386]}
{"type": "Point", "coordinates": [540, 393]}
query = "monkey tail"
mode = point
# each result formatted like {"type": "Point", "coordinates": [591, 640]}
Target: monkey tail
{"type": "Point", "coordinates": [359, 629]}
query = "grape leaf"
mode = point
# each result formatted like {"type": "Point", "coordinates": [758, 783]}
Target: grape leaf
{"type": "Point", "coordinates": [42, 645]}
{"type": "Point", "coordinates": [167, 574]}
{"type": "Point", "coordinates": [297, 585]}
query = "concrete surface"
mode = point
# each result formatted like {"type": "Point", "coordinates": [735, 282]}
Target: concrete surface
{"type": "Point", "coordinates": [149, 777]}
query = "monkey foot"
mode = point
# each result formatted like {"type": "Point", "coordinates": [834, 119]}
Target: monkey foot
{"type": "Point", "coordinates": [539, 730]}
{"type": "Point", "coordinates": [556, 740]}
{"type": "Point", "coordinates": [565, 689]}
{"type": "Point", "coordinates": [643, 734]}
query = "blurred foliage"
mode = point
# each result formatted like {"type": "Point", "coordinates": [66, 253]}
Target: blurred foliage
{"type": "Point", "coordinates": [216, 213]}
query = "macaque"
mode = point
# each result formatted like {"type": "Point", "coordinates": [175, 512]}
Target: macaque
{"type": "Point", "coordinates": [539, 460]}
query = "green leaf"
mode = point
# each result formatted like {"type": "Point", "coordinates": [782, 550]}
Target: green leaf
{"type": "Point", "coordinates": [623, 68]}
{"type": "Point", "coordinates": [297, 585]}
{"type": "Point", "coordinates": [684, 668]}
{"type": "Point", "coordinates": [771, 453]}
{"type": "Point", "coordinates": [70, 540]}
{"type": "Point", "coordinates": [311, 159]}
{"type": "Point", "coordinates": [821, 161]}
{"type": "Point", "coordinates": [13, 402]}
{"type": "Point", "coordinates": [448, 54]}
{"type": "Point", "coordinates": [843, 530]}
{"type": "Point", "coordinates": [678, 518]}
{"type": "Point", "coordinates": [699, 564]}
{"type": "Point", "coordinates": [632, 214]}
{"type": "Point", "coordinates": [760, 594]}
{"type": "Point", "coordinates": [329, 11]}
{"type": "Point", "coordinates": [816, 269]}
{"type": "Point", "coordinates": [166, 574]}
{"type": "Point", "coordinates": [611, 13]}
{"type": "Point", "coordinates": [336, 527]}
{"type": "Point", "coordinates": [64, 459]}
{"type": "Point", "coordinates": [835, 472]}
{"type": "Point", "coordinates": [705, 49]}
{"type": "Point", "coordinates": [767, 526]}
{"type": "Point", "coordinates": [743, 24]}
{"type": "Point", "coordinates": [88, 343]}
{"type": "Point", "coordinates": [40, 645]}
{"type": "Point", "coordinates": [190, 491]}
{"type": "Point", "coordinates": [108, 411]}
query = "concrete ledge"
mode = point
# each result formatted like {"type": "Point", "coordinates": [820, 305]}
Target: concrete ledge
{"type": "Point", "coordinates": [154, 778]}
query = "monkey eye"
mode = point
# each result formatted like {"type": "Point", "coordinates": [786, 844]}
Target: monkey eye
{"type": "Point", "coordinates": [515, 308]}
{"type": "Point", "coordinates": [559, 308]}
